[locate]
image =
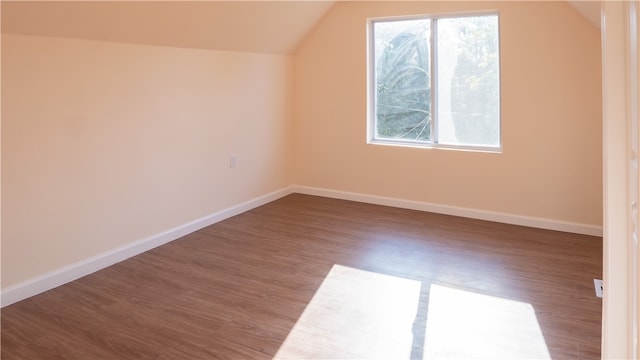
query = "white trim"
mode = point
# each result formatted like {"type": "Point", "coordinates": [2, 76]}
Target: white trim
{"type": "Point", "coordinates": [85, 267]}
{"type": "Point", "coordinates": [535, 222]}
{"type": "Point", "coordinates": [617, 318]}
{"type": "Point", "coordinates": [88, 266]}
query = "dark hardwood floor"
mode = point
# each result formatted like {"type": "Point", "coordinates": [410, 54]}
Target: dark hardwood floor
{"type": "Point", "coordinates": [236, 289]}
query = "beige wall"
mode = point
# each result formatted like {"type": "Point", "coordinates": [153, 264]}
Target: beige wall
{"type": "Point", "coordinates": [551, 164]}
{"type": "Point", "coordinates": [104, 143]}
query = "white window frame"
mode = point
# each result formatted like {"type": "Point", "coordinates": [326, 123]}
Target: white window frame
{"type": "Point", "coordinates": [371, 84]}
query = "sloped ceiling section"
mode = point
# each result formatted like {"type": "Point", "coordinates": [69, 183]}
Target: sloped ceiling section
{"type": "Point", "coordinates": [274, 27]}
{"type": "Point", "coordinates": [589, 9]}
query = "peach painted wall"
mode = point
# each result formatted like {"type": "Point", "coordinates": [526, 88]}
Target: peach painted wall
{"type": "Point", "coordinates": [551, 163]}
{"type": "Point", "coordinates": [106, 143]}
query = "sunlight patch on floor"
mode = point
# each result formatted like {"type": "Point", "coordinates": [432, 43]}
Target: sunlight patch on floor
{"type": "Point", "coordinates": [356, 314]}
{"type": "Point", "coordinates": [467, 325]}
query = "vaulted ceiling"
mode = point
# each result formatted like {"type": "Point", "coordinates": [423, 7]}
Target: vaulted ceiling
{"type": "Point", "coordinates": [275, 27]}
{"type": "Point", "coordinates": [251, 26]}
{"type": "Point", "coordinates": [589, 9]}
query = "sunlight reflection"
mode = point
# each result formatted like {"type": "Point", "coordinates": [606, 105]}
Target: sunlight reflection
{"type": "Point", "coordinates": [356, 314]}
{"type": "Point", "coordinates": [467, 325]}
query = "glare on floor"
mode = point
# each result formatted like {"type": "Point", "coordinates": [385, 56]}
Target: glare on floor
{"type": "Point", "coordinates": [358, 314]}
{"type": "Point", "coordinates": [467, 325]}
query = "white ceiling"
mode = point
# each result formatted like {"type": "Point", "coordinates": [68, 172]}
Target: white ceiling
{"type": "Point", "coordinates": [266, 26]}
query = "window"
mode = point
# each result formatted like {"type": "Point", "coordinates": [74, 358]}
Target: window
{"type": "Point", "coordinates": [435, 81]}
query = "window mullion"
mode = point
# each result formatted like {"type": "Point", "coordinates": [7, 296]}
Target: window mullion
{"type": "Point", "coordinates": [434, 80]}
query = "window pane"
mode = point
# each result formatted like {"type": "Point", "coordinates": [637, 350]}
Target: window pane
{"type": "Point", "coordinates": [403, 90]}
{"type": "Point", "coordinates": [468, 81]}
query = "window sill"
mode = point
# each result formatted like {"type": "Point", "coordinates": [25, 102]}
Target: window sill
{"type": "Point", "coordinates": [432, 146]}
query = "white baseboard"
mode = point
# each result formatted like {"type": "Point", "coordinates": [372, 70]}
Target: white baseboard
{"type": "Point", "coordinates": [535, 222]}
{"type": "Point", "coordinates": [79, 269]}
